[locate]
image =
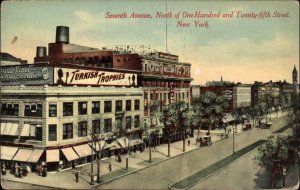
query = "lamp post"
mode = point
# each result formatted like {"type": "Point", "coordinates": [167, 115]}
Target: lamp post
{"type": "Point", "coordinates": [92, 166]}
{"type": "Point", "coordinates": [233, 140]}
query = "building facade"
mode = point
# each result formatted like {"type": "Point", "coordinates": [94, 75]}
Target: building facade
{"type": "Point", "coordinates": [241, 96]}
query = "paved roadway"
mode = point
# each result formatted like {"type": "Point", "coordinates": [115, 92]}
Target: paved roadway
{"type": "Point", "coordinates": [245, 173]}
{"type": "Point", "coordinates": [166, 173]}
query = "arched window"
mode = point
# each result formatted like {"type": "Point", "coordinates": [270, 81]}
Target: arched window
{"type": "Point", "coordinates": [65, 60]}
{"type": "Point", "coordinates": [90, 60]}
{"type": "Point", "coordinates": [82, 61]}
{"type": "Point", "coordinates": [77, 61]}
{"type": "Point", "coordinates": [70, 60]}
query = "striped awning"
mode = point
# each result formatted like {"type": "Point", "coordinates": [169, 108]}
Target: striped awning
{"type": "Point", "coordinates": [114, 145]}
{"type": "Point", "coordinates": [25, 132]}
{"type": "Point", "coordinates": [83, 150]}
{"type": "Point", "coordinates": [35, 156]}
{"type": "Point", "coordinates": [70, 154]}
{"type": "Point", "coordinates": [23, 155]}
{"type": "Point", "coordinates": [8, 152]}
{"type": "Point", "coordinates": [9, 128]}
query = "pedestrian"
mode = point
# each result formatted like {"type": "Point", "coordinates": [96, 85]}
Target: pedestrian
{"type": "Point", "coordinates": [109, 166]}
{"type": "Point", "coordinates": [77, 177]}
{"type": "Point", "coordinates": [189, 142]}
{"type": "Point", "coordinates": [17, 170]}
{"type": "Point", "coordinates": [3, 169]}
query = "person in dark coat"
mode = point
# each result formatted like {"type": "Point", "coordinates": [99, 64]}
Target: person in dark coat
{"type": "Point", "coordinates": [77, 177]}
{"type": "Point", "coordinates": [109, 166]}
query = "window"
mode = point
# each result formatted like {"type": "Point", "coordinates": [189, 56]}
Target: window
{"type": "Point", "coordinates": [38, 133]}
{"type": "Point", "coordinates": [137, 121]}
{"type": "Point", "coordinates": [107, 106]}
{"type": "Point", "coordinates": [183, 95]}
{"type": "Point", "coordinates": [33, 109]}
{"type": "Point", "coordinates": [52, 109]}
{"type": "Point", "coordinates": [96, 126]}
{"type": "Point", "coordinates": [82, 108]}
{"type": "Point", "coordinates": [119, 122]}
{"type": "Point", "coordinates": [82, 129]}
{"type": "Point", "coordinates": [77, 61]}
{"type": "Point", "coordinates": [68, 131]}
{"type": "Point", "coordinates": [11, 109]}
{"type": "Point", "coordinates": [128, 122]}
{"type": "Point", "coordinates": [146, 95]}
{"type": "Point", "coordinates": [95, 107]}
{"type": "Point", "coordinates": [52, 132]}
{"type": "Point", "coordinates": [118, 105]}
{"type": "Point", "coordinates": [107, 125]}
{"type": "Point", "coordinates": [90, 60]}
{"type": "Point", "coordinates": [67, 109]}
{"type": "Point", "coordinates": [136, 104]}
{"type": "Point", "coordinates": [128, 105]}
{"type": "Point", "coordinates": [82, 61]}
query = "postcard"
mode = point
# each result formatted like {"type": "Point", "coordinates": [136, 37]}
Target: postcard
{"type": "Point", "coordinates": [164, 94]}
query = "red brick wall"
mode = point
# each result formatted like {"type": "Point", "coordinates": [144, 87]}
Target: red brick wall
{"type": "Point", "coordinates": [127, 61]}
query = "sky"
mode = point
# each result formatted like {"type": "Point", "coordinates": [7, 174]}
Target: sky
{"type": "Point", "coordinates": [238, 49]}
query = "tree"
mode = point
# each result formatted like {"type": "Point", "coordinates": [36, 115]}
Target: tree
{"type": "Point", "coordinates": [273, 154]}
{"type": "Point", "coordinates": [184, 119]}
{"type": "Point", "coordinates": [276, 103]}
{"type": "Point", "coordinates": [211, 106]}
{"type": "Point", "coordinates": [276, 148]}
{"type": "Point", "coordinates": [176, 117]}
{"type": "Point", "coordinates": [96, 139]}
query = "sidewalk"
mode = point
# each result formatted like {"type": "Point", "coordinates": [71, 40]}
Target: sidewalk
{"type": "Point", "coordinates": [137, 161]}
{"type": "Point", "coordinates": [66, 179]}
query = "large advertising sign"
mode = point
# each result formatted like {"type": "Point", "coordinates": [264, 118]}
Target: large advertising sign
{"type": "Point", "coordinates": [69, 76]}
{"type": "Point", "coordinates": [26, 75]}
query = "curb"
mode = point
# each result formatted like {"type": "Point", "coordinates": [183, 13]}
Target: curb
{"type": "Point", "coordinates": [167, 158]}
{"type": "Point", "coordinates": [34, 184]}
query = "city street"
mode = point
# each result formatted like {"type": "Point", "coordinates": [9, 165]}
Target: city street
{"type": "Point", "coordinates": [169, 172]}
{"type": "Point", "coordinates": [163, 171]}
{"type": "Point", "coordinates": [245, 173]}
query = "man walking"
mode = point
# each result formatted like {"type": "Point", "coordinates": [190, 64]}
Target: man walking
{"type": "Point", "coordinates": [109, 166]}
{"type": "Point", "coordinates": [77, 177]}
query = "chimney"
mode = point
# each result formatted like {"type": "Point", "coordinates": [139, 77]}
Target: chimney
{"type": "Point", "coordinates": [41, 51]}
{"type": "Point", "coordinates": [62, 34]}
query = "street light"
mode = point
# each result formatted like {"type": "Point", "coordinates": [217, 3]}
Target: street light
{"type": "Point", "coordinates": [92, 166]}
{"type": "Point", "coordinates": [233, 140]}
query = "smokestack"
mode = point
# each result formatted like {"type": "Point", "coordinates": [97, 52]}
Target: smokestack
{"type": "Point", "coordinates": [41, 51]}
{"type": "Point", "coordinates": [62, 34]}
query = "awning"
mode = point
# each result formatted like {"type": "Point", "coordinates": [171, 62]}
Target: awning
{"type": "Point", "coordinates": [136, 142]}
{"type": "Point", "coordinates": [114, 145]}
{"type": "Point", "coordinates": [227, 118]}
{"type": "Point", "coordinates": [25, 131]}
{"type": "Point", "coordinates": [7, 129]}
{"type": "Point", "coordinates": [32, 130]}
{"type": "Point", "coordinates": [103, 144]}
{"type": "Point", "coordinates": [3, 125]}
{"type": "Point", "coordinates": [83, 150]}
{"type": "Point", "coordinates": [8, 152]}
{"type": "Point", "coordinates": [70, 154]}
{"type": "Point", "coordinates": [22, 155]}
{"type": "Point", "coordinates": [35, 156]}
{"type": "Point", "coordinates": [14, 129]}
{"type": "Point", "coordinates": [52, 155]}
{"type": "Point", "coordinates": [123, 142]}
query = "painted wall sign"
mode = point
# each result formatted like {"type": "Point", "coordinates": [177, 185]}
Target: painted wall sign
{"type": "Point", "coordinates": [227, 94]}
{"type": "Point", "coordinates": [26, 75]}
{"type": "Point", "coordinates": [93, 77]}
